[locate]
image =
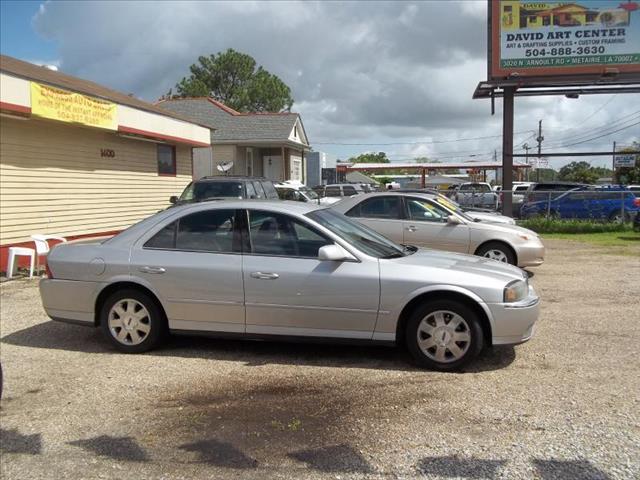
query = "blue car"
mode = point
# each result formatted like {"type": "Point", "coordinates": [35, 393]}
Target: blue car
{"type": "Point", "coordinates": [603, 204]}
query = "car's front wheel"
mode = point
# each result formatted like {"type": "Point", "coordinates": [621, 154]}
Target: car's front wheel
{"type": "Point", "coordinates": [497, 251]}
{"type": "Point", "coordinates": [444, 335]}
{"type": "Point", "coordinates": [132, 321]}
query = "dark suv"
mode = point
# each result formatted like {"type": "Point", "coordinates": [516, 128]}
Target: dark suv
{"type": "Point", "coordinates": [226, 187]}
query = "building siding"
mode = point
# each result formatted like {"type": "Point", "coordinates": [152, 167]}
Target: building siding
{"type": "Point", "coordinates": [54, 181]}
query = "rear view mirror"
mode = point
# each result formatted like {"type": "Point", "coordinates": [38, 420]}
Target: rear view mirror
{"type": "Point", "coordinates": [334, 253]}
{"type": "Point", "coordinates": [173, 199]}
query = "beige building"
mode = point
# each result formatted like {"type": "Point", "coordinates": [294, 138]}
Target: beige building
{"type": "Point", "coordinates": [272, 145]}
{"type": "Point", "coordinates": [78, 159]}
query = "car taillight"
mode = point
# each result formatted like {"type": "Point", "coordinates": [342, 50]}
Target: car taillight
{"type": "Point", "coordinates": [47, 271]}
{"type": "Point", "coordinates": [636, 201]}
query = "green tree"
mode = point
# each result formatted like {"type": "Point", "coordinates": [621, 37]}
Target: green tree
{"type": "Point", "coordinates": [232, 78]}
{"type": "Point", "coordinates": [370, 157]}
{"type": "Point", "coordinates": [581, 172]}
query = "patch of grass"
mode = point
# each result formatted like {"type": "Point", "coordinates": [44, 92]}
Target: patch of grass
{"type": "Point", "coordinates": [550, 225]}
{"type": "Point", "coordinates": [616, 243]}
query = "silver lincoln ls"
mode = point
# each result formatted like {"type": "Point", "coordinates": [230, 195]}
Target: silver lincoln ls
{"type": "Point", "coordinates": [278, 269]}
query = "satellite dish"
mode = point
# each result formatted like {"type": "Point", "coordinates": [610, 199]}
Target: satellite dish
{"type": "Point", "coordinates": [224, 167]}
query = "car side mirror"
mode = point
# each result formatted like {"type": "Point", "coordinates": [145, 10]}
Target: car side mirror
{"type": "Point", "coordinates": [334, 253]}
{"type": "Point", "coordinates": [173, 199]}
{"type": "Point", "coordinates": [453, 220]}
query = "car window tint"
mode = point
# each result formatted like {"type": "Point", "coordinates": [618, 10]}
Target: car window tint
{"type": "Point", "coordinates": [251, 192]}
{"type": "Point", "coordinates": [425, 211]}
{"type": "Point", "coordinates": [348, 190]}
{"type": "Point", "coordinates": [165, 238]}
{"type": "Point", "coordinates": [332, 192]}
{"type": "Point", "coordinates": [380, 207]}
{"type": "Point", "coordinates": [259, 190]}
{"type": "Point", "coordinates": [223, 189]}
{"type": "Point", "coordinates": [278, 234]}
{"type": "Point", "coordinates": [208, 231]}
{"type": "Point", "coordinates": [269, 190]}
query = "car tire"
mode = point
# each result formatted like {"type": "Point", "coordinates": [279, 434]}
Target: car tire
{"type": "Point", "coordinates": [618, 218]}
{"type": "Point", "coordinates": [132, 321]}
{"type": "Point", "coordinates": [431, 334]}
{"type": "Point", "coordinates": [497, 251]}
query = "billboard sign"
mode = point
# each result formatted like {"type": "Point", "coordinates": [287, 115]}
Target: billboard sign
{"type": "Point", "coordinates": [628, 160]}
{"type": "Point", "coordinates": [555, 39]}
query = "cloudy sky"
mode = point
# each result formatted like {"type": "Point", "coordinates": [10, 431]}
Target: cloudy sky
{"type": "Point", "coordinates": [394, 77]}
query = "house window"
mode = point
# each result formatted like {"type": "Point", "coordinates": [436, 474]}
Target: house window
{"type": "Point", "coordinates": [166, 160]}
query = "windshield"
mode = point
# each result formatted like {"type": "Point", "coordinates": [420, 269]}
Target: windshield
{"type": "Point", "coordinates": [453, 206]}
{"type": "Point", "coordinates": [204, 190]}
{"type": "Point", "coordinates": [361, 237]}
{"type": "Point", "coordinates": [309, 193]}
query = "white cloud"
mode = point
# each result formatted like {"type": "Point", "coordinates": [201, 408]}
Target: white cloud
{"type": "Point", "coordinates": [360, 72]}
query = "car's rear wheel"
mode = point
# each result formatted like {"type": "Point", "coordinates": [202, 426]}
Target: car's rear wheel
{"type": "Point", "coordinates": [497, 251]}
{"type": "Point", "coordinates": [444, 335]}
{"type": "Point", "coordinates": [618, 217]}
{"type": "Point", "coordinates": [132, 321]}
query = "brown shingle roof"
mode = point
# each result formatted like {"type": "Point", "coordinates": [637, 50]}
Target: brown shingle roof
{"type": "Point", "coordinates": [29, 71]}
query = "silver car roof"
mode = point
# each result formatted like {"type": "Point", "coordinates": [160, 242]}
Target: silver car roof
{"type": "Point", "coordinates": [280, 206]}
{"type": "Point", "coordinates": [343, 205]}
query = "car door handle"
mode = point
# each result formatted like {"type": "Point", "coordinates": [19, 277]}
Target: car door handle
{"type": "Point", "coordinates": [152, 269]}
{"type": "Point", "coordinates": [411, 228]}
{"type": "Point", "coordinates": [264, 276]}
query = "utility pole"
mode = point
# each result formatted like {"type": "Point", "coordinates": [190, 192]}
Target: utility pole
{"type": "Point", "coordinates": [539, 139]}
{"type": "Point", "coordinates": [613, 164]}
{"type": "Point", "coordinates": [526, 158]}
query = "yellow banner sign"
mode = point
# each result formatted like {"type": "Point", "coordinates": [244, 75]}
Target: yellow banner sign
{"type": "Point", "coordinates": [65, 106]}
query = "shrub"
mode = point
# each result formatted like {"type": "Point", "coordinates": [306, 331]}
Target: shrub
{"type": "Point", "coordinates": [544, 225]}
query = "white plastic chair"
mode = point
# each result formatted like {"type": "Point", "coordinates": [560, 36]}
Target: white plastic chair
{"type": "Point", "coordinates": [42, 246]}
{"type": "Point", "coordinates": [20, 252]}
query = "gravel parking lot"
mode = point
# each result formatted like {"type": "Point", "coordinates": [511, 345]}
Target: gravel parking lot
{"type": "Point", "coordinates": [566, 405]}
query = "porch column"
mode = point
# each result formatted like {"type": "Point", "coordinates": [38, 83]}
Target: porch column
{"type": "Point", "coordinates": [284, 165]}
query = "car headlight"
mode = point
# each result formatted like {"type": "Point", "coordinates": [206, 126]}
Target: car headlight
{"type": "Point", "coordinates": [516, 291]}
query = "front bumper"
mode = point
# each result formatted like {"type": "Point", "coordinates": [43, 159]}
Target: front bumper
{"type": "Point", "coordinates": [514, 323]}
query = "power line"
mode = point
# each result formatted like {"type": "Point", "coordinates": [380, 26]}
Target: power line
{"type": "Point", "coordinates": [418, 143]}
{"type": "Point", "coordinates": [598, 129]}
{"type": "Point", "coordinates": [599, 136]}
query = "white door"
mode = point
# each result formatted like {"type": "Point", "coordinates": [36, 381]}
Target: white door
{"type": "Point", "coordinates": [295, 168]}
{"type": "Point", "coordinates": [272, 167]}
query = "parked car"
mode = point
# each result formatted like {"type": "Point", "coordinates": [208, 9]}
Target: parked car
{"type": "Point", "coordinates": [476, 214]}
{"type": "Point", "coordinates": [226, 186]}
{"type": "Point", "coordinates": [338, 190]}
{"type": "Point", "coordinates": [478, 194]}
{"type": "Point", "coordinates": [426, 221]}
{"type": "Point", "coordinates": [609, 204]}
{"type": "Point", "coordinates": [285, 270]}
{"type": "Point", "coordinates": [635, 189]}
{"type": "Point", "coordinates": [544, 190]}
{"type": "Point", "coordinates": [301, 193]}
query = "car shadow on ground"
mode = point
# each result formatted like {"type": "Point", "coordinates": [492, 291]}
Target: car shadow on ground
{"type": "Point", "coordinates": [59, 336]}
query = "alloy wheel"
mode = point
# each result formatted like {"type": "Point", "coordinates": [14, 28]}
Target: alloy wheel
{"type": "Point", "coordinates": [444, 336]}
{"type": "Point", "coordinates": [495, 254]}
{"type": "Point", "coordinates": [129, 322]}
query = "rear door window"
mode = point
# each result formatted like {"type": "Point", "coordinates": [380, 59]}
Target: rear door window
{"type": "Point", "coordinates": [251, 192]}
{"type": "Point", "coordinates": [207, 231]}
{"type": "Point", "coordinates": [377, 207]}
{"type": "Point", "coordinates": [348, 190]}
{"type": "Point", "coordinates": [215, 189]}
{"type": "Point", "coordinates": [332, 192]}
{"type": "Point", "coordinates": [269, 190]}
{"type": "Point", "coordinates": [259, 190]}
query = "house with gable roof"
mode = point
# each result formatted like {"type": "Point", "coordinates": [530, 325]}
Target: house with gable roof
{"type": "Point", "coordinates": [272, 145]}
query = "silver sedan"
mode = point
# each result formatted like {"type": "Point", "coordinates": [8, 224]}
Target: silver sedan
{"type": "Point", "coordinates": [262, 269]}
{"type": "Point", "coordinates": [429, 220]}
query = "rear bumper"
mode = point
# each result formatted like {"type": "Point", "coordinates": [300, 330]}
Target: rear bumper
{"type": "Point", "coordinates": [69, 301]}
{"type": "Point", "coordinates": [514, 323]}
{"type": "Point", "coordinates": [531, 255]}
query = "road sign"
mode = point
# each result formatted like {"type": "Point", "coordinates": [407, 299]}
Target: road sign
{"type": "Point", "coordinates": [628, 160]}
